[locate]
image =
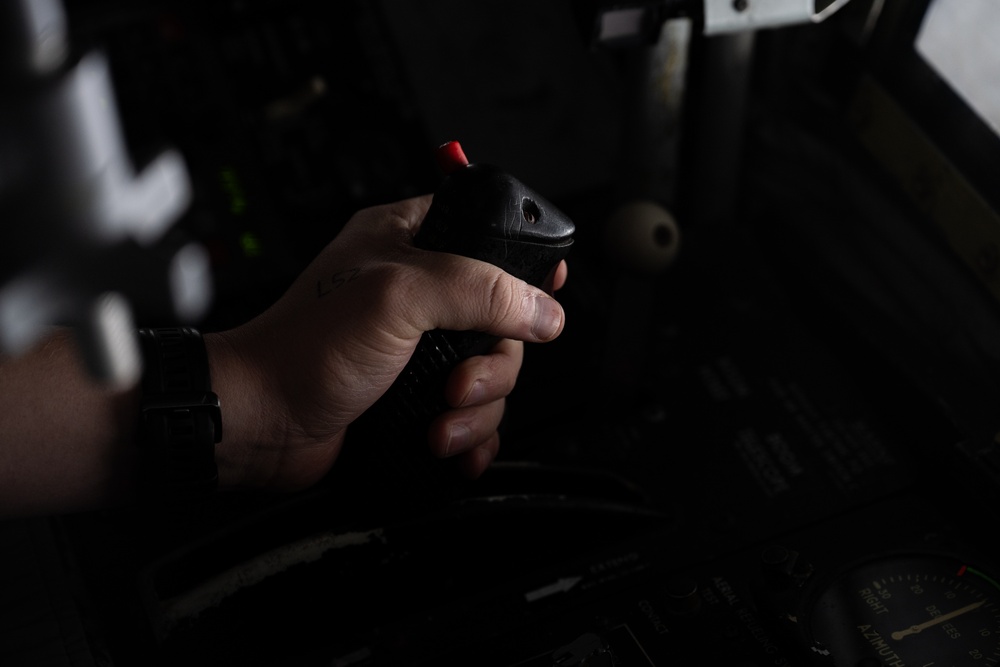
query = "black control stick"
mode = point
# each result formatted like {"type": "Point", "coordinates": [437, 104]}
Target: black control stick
{"type": "Point", "coordinates": [482, 212]}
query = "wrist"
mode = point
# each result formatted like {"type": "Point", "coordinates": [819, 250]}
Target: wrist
{"type": "Point", "coordinates": [242, 456]}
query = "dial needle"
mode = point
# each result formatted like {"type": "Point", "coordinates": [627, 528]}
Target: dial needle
{"type": "Point", "coordinates": [914, 629]}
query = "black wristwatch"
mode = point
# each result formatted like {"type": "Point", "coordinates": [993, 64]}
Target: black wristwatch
{"type": "Point", "coordinates": [181, 419]}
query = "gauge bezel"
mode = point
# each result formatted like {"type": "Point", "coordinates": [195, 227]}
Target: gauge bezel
{"type": "Point", "coordinates": [813, 591]}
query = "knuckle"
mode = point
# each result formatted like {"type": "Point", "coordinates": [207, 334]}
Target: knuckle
{"type": "Point", "coordinates": [391, 288]}
{"type": "Point", "coordinates": [384, 281]}
{"type": "Point", "coordinates": [500, 372]}
{"type": "Point", "coordinates": [504, 301]}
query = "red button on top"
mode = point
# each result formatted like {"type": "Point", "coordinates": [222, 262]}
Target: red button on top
{"type": "Point", "coordinates": [451, 157]}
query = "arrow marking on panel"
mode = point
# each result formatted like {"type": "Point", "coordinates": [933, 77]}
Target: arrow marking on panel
{"type": "Point", "coordinates": [561, 586]}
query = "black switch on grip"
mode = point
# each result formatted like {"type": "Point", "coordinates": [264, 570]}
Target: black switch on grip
{"type": "Point", "coordinates": [482, 212]}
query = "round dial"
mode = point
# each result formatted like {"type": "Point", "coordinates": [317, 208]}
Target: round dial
{"type": "Point", "coordinates": [912, 610]}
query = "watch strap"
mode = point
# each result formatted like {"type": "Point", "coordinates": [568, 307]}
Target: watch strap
{"type": "Point", "coordinates": [181, 418]}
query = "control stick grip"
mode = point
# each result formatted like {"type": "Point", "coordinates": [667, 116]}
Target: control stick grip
{"type": "Point", "coordinates": [478, 211]}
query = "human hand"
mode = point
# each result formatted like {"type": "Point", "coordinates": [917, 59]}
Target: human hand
{"type": "Point", "coordinates": [294, 378]}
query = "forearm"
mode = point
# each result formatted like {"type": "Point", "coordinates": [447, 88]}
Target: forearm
{"type": "Point", "coordinates": [69, 444]}
{"type": "Point", "coordinates": [66, 442]}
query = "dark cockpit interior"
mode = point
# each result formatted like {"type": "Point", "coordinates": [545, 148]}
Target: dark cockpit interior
{"type": "Point", "coordinates": [767, 435]}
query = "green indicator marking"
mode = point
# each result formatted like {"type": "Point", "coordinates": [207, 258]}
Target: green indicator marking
{"type": "Point", "coordinates": [251, 245]}
{"type": "Point", "coordinates": [984, 577]}
{"type": "Point", "coordinates": [234, 189]}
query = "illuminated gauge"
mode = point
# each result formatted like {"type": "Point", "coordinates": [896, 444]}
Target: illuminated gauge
{"type": "Point", "coordinates": [908, 610]}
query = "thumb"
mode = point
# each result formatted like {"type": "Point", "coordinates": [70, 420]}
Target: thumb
{"type": "Point", "coordinates": [463, 294]}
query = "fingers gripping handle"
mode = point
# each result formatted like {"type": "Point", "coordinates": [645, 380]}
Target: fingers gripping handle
{"type": "Point", "coordinates": [478, 211]}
